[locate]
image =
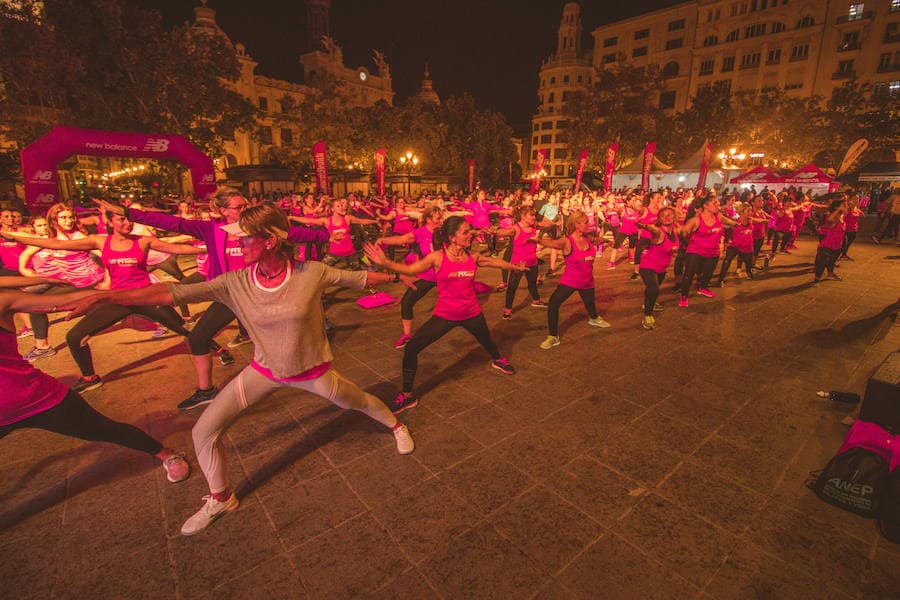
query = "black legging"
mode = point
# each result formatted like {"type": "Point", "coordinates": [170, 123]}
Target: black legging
{"type": "Point", "coordinates": [214, 319]}
{"type": "Point", "coordinates": [642, 244]}
{"type": "Point", "coordinates": [170, 267]}
{"type": "Point", "coordinates": [101, 317]}
{"type": "Point", "coordinates": [560, 295]}
{"type": "Point", "coordinates": [414, 295]}
{"type": "Point", "coordinates": [784, 237]}
{"type": "Point", "coordinates": [679, 257]}
{"type": "Point", "coordinates": [40, 322]}
{"type": "Point", "coordinates": [434, 329]}
{"type": "Point", "coordinates": [507, 256]}
{"type": "Point", "coordinates": [745, 258]}
{"type": "Point", "coordinates": [757, 246]}
{"type": "Point", "coordinates": [515, 277]}
{"type": "Point", "coordinates": [652, 281]}
{"type": "Point", "coordinates": [826, 259]}
{"type": "Point", "coordinates": [693, 264]}
{"type": "Point", "coordinates": [849, 238]}
{"type": "Point", "coordinates": [75, 417]}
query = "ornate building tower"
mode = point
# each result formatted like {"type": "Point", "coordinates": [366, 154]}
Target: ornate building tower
{"type": "Point", "coordinates": [567, 71]}
{"type": "Point", "coordinates": [426, 91]}
{"type": "Point", "coordinates": [316, 23]}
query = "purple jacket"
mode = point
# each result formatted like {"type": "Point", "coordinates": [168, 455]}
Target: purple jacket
{"type": "Point", "coordinates": [210, 231]}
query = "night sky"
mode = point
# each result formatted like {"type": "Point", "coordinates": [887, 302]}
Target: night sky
{"type": "Point", "coordinates": [489, 48]}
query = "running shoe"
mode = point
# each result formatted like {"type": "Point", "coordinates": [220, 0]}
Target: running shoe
{"type": "Point", "coordinates": [212, 510]}
{"type": "Point", "coordinates": [405, 444]}
{"type": "Point", "coordinates": [198, 398]}
{"type": "Point", "coordinates": [25, 333]}
{"type": "Point", "coordinates": [401, 341]}
{"type": "Point", "coordinates": [507, 315]}
{"type": "Point", "coordinates": [86, 384]}
{"type": "Point", "coordinates": [539, 304]}
{"type": "Point", "coordinates": [599, 322]}
{"type": "Point", "coordinates": [550, 342]}
{"type": "Point", "coordinates": [683, 302]}
{"type": "Point", "coordinates": [706, 293]}
{"type": "Point", "coordinates": [649, 322]}
{"type": "Point", "coordinates": [657, 307]}
{"type": "Point", "coordinates": [501, 286]}
{"type": "Point", "coordinates": [550, 273]}
{"type": "Point", "coordinates": [225, 357]}
{"type": "Point", "coordinates": [38, 353]}
{"type": "Point", "coordinates": [633, 277]}
{"type": "Point", "coordinates": [611, 266]}
{"type": "Point", "coordinates": [239, 340]}
{"type": "Point", "coordinates": [834, 276]}
{"type": "Point", "coordinates": [502, 365]}
{"type": "Point", "coordinates": [402, 402]}
{"type": "Point", "coordinates": [721, 284]}
{"type": "Point", "coordinates": [160, 332]}
{"type": "Point", "coordinates": [176, 468]}
{"type": "Point", "coordinates": [875, 239]}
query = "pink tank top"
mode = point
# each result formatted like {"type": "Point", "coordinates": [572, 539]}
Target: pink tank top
{"type": "Point", "coordinates": [234, 256]}
{"type": "Point", "coordinates": [344, 246]}
{"type": "Point", "coordinates": [78, 267]}
{"type": "Point", "coordinates": [705, 241]}
{"type": "Point", "coordinates": [785, 222]}
{"type": "Point", "coordinates": [648, 219]}
{"type": "Point", "coordinates": [41, 262]}
{"type": "Point", "coordinates": [523, 250]}
{"type": "Point", "coordinates": [657, 257]}
{"type": "Point", "coordinates": [128, 269]}
{"type": "Point", "coordinates": [629, 222]}
{"type": "Point", "coordinates": [402, 224]}
{"type": "Point", "coordinates": [10, 250]}
{"type": "Point", "coordinates": [423, 237]}
{"type": "Point", "coordinates": [26, 390]}
{"type": "Point", "coordinates": [579, 273]}
{"type": "Point", "coordinates": [851, 220]}
{"type": "Point", "coordinates": [456, 292]}
{"type": "Point", "coordinates": [834, 236]}
{"type": "Point", "coordinates": [759, 229]}
{"type": "Point", "coordinates": [742, 237]}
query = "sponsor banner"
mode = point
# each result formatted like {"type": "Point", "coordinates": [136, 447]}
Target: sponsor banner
{"type": "Point", "coordinates": [380, 163]}
{"type": "Point", "coordinates": [646, 165]}
{"type": "Point", "coordinates": [853, 154]}
{"type": "Point", "coordinates": [579, 174]}
{"type": "Point", "coordinates": [320, 164]}
{"type": "Point", "coordinates": [610, 166]}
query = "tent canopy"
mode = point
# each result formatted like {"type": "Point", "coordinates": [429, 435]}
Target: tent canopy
{"type": "Point", "coordinates": [695, 160]}
{"type": "Point", "coordinates": [880, 171]}
{"type": "Point", "coordinates": [808, 175]}
{"type": "Point", "coordinates": [636, 166]}
{"type": "Point", "coordinates": [758, 175]}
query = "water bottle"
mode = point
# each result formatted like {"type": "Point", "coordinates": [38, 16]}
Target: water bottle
{"type": "Point", "coordinates": [835, 396]}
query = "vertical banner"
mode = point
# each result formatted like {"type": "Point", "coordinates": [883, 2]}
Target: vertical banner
{"type": "Point", "coordinates": [649, 151]}
{"type": "Point", "coordinates": [380, 160]}
{"type": "Point", "coordinates": [471, 174]}
{"type": "Point", "coordinates": [610, 166]}
{"type": "Point", "coordinates": [704, 166]}
{"type": "Point", "coordinates": [321, 167]}
{"type": "Point", "coordinates": [510, 174]}
{"type": "Point", "coordinates": [538, 167]}
{"type": "Point", "coordinates": [579, 174]}
{"type": "Point", "coordinates": [853, 154]}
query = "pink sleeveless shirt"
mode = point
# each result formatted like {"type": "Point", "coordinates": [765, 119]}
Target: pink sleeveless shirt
{"type": "Point", "coordinates": [657, 257]}
{"type": "Point", "coordinates": [705, 241]}
{"type": "Point", "coordinates": [128, 269]}
{"type": "Point", "coordinates": [423, 237]}
{"type": "Point", "coordinates": [648, 219]}
{"type": "Point", "coordinates": [402, 224]}
{"type": "Point", "coordinates": [834, 236]}
{"type": "Point", "coordinates": [10, 250]}
{"type": "Point", "coordinates": [456, 293]}
{"type": "Point", "coordinates": [344, 246]}
{"type": "Point", "coordinates": [742, 237]}
{"type": "Point", "coordinates": [629, 222]}
{"type": "Point", "coordinates": [78, 267]}
{"type": "Point", "coordinates": [851, 220]}
{"type": "Point", "coordinates": [579, 273]}
{"type": "Point", "coordinates": [523, 250]}
{"type": "Point", "coordinates": [26, 390]}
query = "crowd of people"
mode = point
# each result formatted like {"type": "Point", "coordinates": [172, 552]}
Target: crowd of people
{"type": "Point", "coordinates": [268, 265]}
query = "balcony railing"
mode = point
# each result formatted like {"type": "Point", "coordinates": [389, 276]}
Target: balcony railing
{"type": "Point", "coordinates": [843, 75]}
{"type": "Point", "coordinates": [853, 18]}
{"type": "Point", "coordinates": [798, 57]}
{"type": "Point", "coordinates": [773, 61]}
{"type": "Point", "coordinates": [744, 67]}
{"type": "Point", "coordinates": [847, 46]}
{"type": "Point", "coordinates": [888, 68]}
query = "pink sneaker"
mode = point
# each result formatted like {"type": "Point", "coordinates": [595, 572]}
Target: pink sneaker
{"type": "Point", "coordinates": [401, 341]}
{"type": "Point", "coordinates": [706, 293]}
{"type": "Point", "coordinates": [683, 302]}
{"type": "Point", "coordinates": [611, 266]}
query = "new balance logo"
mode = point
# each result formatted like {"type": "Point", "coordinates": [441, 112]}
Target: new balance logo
{"type": "Point", "coordinates": [156, 145]}
{"type": "Point", "coordinates": [42, 176]}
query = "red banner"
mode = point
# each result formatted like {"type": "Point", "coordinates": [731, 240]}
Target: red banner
{"type": "Point", "coordinates": [380, 162]}
{"type": "Point", "coordinates": [704, 166]}
{"type": "Point", "coordinates": [510, 174]}
{"type": "Point", "coordinates": [610, 166]}
{"type": "Point", "coordinates": [321, 167]}
{"type": "Point", "coordinates": [649, 151]}
{"type": "Point", "coordinates": [579, 174]}
{"type": "Point", "coordinates": [471, 174]}
{"type": "Point", "coordinates": [538, 168]}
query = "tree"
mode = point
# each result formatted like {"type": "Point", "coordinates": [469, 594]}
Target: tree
{"type": "Point", "coordinates": [84, 63]}
{"type": "Point", "coordinates": [857, 111]}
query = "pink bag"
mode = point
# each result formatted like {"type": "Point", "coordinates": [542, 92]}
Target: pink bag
{"type": "Point", "coordinates": [874, 438]}
{"type": "Point", "coordinates": [377, 299]}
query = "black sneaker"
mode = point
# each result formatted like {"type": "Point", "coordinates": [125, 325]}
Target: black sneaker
{"type": "Point", "coordinates": [86, 384]}
{"type": "Point", "coordinates": [225, 357]}
{"type": "Point", "coordinates": [502, 365]}
{"type": "Point", "coordinates": [239, 340]}
{"type": "Point", "coordinates": [199, 398]}
{"type": "Point", "coordinates": [402, 402]}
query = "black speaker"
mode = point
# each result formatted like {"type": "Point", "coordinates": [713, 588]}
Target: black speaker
{"type": "Point", "coordinates": [881, 404]}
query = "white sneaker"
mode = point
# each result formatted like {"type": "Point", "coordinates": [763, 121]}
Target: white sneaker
{"type": "Point", "coordinates": [405, 444]}
{"type": "Point", "coordinates": [212, 510]}
{"type": "Point", "coordinates": [550, 342]}
{"type": "Point", "coordinates": [599, 322]}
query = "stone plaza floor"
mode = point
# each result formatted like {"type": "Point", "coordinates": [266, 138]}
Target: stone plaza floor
{"type": "Point", "coordinates": [621, 464]}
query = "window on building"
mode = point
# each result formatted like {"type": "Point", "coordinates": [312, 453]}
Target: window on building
{"type": "Point", "coordinates": [265, 134]}
{"type": "Point", "coordinates": [579, 79]}
{"type": "Point", "coordinates": [534, 140]}
{"type": "Point", "coordinates": [849, 41]}
{"type": "Point", "coordinates": [287, 136]}
{"type": "Point", "coordinates": [709, 15]}
{"type": "Point", "coordinates": [562, 124]}
{"type": "Point", "coordinates": [670, 70]}
{"type": "Point", "coordinates": [546, 139]}
{"type": "Point", "coordinates": [551, 98]}
{"type": "Point", "coordinates": [610, 41]}
{"type": "Point", "coordinates": [642, 51]}
{"type": "Point", "coordinates": [733, 36]}
{"type": "Point", "coordinates": [884, 61]}
{"type": "Point", "coordinates": [750, 61]}
{"type": "Point", "coordinates": [856, 11]}
{"type": "Point", "coordinates": [609, 58]}
{"type": "Point", "coordinates": [641, 34]}
{"type": "Point", "coordinates": [755, 30]}
{"type": "Point", "coordinates": [535, 127]}
{"type": "Point", "coordinates": [263, 103]}
{"type": "Point", "coordinates": [547, 125]}
{"type": "Point", "coordinates": [800, 52]}
{"type": "Point", "coordinates": [553, 81]}
{"type": "Point", "coordinates": [559, 171]}
{"type": "Point", "coordinates": [559, 153]}
{"type": "Point", "coordinates": [707, 66]}
{"type": "Point", "coordinates": [676, 25]}
{"type": "Point", "coordinates": [667, 100]}
{"type": "Point", "coordinates": [710, 40]}
{"type": "Point", "coordinates": [718, 14]}
{"type": "Point", "coordinates": [778, 27]}
{"type": "Point", "coordinates": [754, 5]}
{"type": "Point", "coordinates": [673, 44]}
{"type": "Point", "coordinates": [806, 21]}
{"type": "Point", "coordinates": [895, 5]}
{"type": "Point", "coordinates": [845, 67]}
{"type": "Point", "coordinates": [533, 154]}
{"type": "Point", "coordinates": [774, 57]}
{"type": "Point", "coordinates": [743, 8]}
{"type": "Point", "coordinates": [734, 10]}
{"type": "Point", "coordinates": [565, 79]}
{"type": "Point", "coordinates": [566, 96]}
{"type": "Point", "coordinates": [728, 64]}
{"type": "Point", "coordinates": [891, 31]}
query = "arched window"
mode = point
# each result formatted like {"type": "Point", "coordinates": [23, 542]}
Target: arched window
{"type": "Point", "coordinates": [806, 21]}
{"type": "Point", "coordinates": [670, 70]}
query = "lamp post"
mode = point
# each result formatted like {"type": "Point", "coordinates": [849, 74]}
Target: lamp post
{"type": "Point", "coordinates": [409, 160]}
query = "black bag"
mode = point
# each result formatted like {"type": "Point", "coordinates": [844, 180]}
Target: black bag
{"type": "Point", "coordinates": [889, 521]}
{"type": "Point", "coordinates": [855, 480]}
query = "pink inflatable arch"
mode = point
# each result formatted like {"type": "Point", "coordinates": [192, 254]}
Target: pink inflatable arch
{"type": "Point", "coordinates": [40, 158]}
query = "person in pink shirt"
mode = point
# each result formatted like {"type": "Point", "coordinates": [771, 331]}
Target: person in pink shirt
{"type": "Point", "coordinates": [457, 305]}
{"type": "Point", "coordinates": [524, 236]}
{"type": "Point", "coordinates": [657, 258]}
{"type": "Point", "coordinates": [832, 232]}
{"type": "Point", "coordinates": [851, 222]}
{"type": "Point", "coordinates": [704, 232]}
{"type": "Point", "coordinates": [628, 229]}
{"type": "Point", "coordinates": [741, 245]}
{"type": "Point", "coordinates": [341, 250]}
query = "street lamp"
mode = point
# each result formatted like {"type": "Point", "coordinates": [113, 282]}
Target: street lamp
{"type": "Point", "coordinates": [409, 160]}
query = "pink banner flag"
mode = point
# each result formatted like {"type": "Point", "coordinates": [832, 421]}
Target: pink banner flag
{"type": "Point", "coordinates": [649, 151]}
{"type": "Point", "coordinates": [538, 169]}
{"type": "Point", "coordinates": [704, 166]}
{"type": "Point", "coordinates": [471, 174]}
{"type": "Point", "coordinates": [321, 166]}
{"type": "Point", "coordinates": [579, 174]}
{"type": "Point", "coordinates": [380, 161]}
{"type": "Point", "coordinates": [610, 166]}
